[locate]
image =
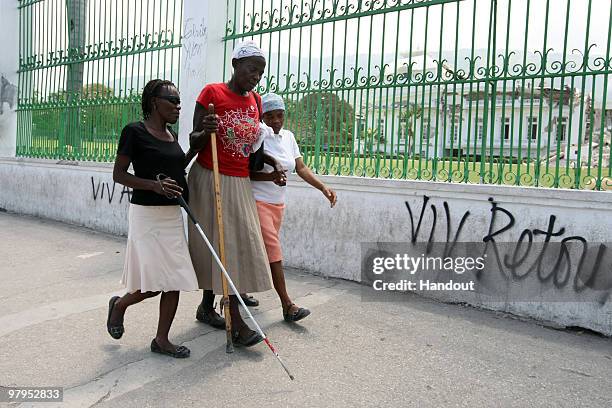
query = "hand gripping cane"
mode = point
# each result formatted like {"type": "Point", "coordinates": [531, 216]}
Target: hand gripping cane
{"type": "Point", "coordinates": [229, 346]}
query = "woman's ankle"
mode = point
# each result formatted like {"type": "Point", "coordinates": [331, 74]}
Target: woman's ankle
{"type": "Point", "coordinates": [118, 311]}
{"type": "Point", "coordinates": [208, 299]}
{"type": "Point", "coordinates": [206, 309]}
{"type": "Point", "coordinates": [162, 340]}
{"type": "Point", "coordinates": [238, 324]}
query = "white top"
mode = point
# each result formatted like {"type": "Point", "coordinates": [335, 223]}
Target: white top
{"type": "Point", "coordinates": [260, 138]}
{"type": "Point", "coordinates": [283, 148]}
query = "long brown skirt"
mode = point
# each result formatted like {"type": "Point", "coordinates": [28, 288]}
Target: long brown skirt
{"type": "Point", "coordinates": [245, 253]}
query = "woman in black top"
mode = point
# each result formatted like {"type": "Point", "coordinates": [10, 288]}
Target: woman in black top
{"type": "Point", "coordinates": [157, 259]}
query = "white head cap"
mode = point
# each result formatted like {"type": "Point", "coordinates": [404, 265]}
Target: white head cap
{"type": "Point", "coordinates": [272, 101]}
{"type": "Point", "coordinates": [247, 49]}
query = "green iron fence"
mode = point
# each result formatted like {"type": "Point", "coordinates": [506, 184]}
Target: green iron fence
{"type": "Point", "coordinates": [511, 92]}
{"type": "Point", "coordinates": [481, 91]}
{"type": "Point", "coordinates": [82, 66]}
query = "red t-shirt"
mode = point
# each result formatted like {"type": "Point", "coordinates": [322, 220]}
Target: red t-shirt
{"type": "Point", "coordinates": [238, 129]}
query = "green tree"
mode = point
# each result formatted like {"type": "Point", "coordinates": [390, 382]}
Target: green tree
{"type": "Point", "coordinates": [100, 117]}
{"type": "Point", "coordinates": [322, 115]}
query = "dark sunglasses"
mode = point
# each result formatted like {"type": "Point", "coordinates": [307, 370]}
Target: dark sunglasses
{"type": "Point", "coordinates": [175, 100]}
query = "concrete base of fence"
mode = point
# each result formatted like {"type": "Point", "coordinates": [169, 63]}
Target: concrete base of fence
{"type": "Point", "coordinates": [329, 241]}
{"type": "Point", "coordinates": [82, 194]}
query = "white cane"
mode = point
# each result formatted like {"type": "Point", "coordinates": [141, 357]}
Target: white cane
{"type": "Point", "coordinates": [231, 283]}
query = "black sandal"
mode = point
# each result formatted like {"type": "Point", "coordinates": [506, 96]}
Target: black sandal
{"type": "Point", "coordinates": [115, 331]}
{"type": "Point", "coordinates": [248, 341]}
{"type": "Point", "coordinates": [179, 352]}
{"type": "Point", "coordinates": [210, 317]}
{"type": "Point", "coordinates": [299, 314]}
{"type": "Point", "coordinates": [250, 300]}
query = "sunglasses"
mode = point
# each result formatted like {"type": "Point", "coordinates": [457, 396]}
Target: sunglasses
{"type": "Point", "coordinates": [175, 100]}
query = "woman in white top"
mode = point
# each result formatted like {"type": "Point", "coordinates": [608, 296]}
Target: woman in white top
{"type": "Point", "coordinates": [270, 197]}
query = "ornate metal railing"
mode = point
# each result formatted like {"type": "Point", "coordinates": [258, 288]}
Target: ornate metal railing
{"type": "Point", "coordinates": [510, 92]}
{"type": "Point", "coordinates": [82, 66]}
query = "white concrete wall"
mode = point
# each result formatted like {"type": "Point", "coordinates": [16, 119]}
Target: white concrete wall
{"type": "Point", "coordinates": [371, 210]}
{"type": "Point", "coordinates": [9, 64]}
{"type": "Point", "coordinates": [327, 241]}
{"type": "Point", "coordinates": [201, 55]}
{"type": "Point", "coordinates": [82, 194]}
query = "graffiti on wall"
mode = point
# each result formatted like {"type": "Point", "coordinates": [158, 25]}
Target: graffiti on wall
{"type": "Point", "coordinates": [8, 94]}
{"type": "Point", "coordinates": [551, 253]}
{"type": "Point", "coordinates": [104, 191]}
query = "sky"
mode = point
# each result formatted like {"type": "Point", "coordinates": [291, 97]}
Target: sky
{"type": "Point", "coordinates": [523, 28]}
{"type": "Point", "coordinates": [510, 22]}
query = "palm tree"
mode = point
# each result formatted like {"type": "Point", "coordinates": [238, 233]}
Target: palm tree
{"type": "Point", "coordinates": [76, 12]}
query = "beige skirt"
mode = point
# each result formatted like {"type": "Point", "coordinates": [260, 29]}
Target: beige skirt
{"type": "Point", "coordinates": [245, 253]}
{"type": "Point", "coordinates": [157, 258]}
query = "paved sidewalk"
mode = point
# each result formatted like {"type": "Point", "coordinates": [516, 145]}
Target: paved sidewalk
{"type": "Point", "coordinates": [57, 279]}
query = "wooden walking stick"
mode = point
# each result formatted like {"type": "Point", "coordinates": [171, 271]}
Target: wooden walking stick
{"type": "Point", "coordinates": [229, 347]}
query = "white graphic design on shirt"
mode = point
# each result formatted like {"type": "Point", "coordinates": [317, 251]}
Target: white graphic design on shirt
{"type": "Point", "coordinates": [240, 129]}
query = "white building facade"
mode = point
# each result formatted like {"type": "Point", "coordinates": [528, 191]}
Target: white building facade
{"type": "Point", "coordinates": [455, 120]}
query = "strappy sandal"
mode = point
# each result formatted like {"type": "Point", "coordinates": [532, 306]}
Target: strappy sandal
{"type": "Point", "coordinates": [299, 314]}
{"type": "Point", "coordinates": [115, 331]}
{"type": "Point", "coordinates": [179, 352]}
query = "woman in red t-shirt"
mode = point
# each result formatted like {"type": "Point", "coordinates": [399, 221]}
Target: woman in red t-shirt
{"type": "Point", "coordinates": [236, 122]}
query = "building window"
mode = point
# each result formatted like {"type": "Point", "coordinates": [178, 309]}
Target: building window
{"type": "Point", "coordinates": [532, 127]}
{"type": "Point", "coordinates": [426, 131]}
{"type": "Point", "coordinates": [507, 129]}
{"type": "Point", "coordinates": [562, 129]}
{"type": "Point", "coordinates": [455, 129]}
{"type": "Point", "coordinates": [480, 129]}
